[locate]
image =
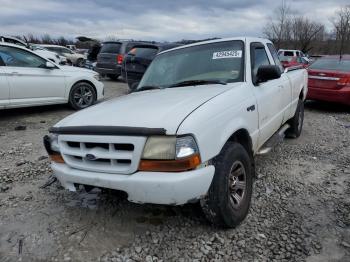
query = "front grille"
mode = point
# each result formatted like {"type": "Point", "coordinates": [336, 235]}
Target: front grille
{"type": "Point", "coordinates": [107, 154]}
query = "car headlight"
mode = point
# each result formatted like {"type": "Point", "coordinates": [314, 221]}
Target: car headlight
{"type": "Point", "coordinates": [97, 77]}
{"type": "Point", "coordinates": [170, 154]}
{"type": "Point", "coordinates": [52, 148]}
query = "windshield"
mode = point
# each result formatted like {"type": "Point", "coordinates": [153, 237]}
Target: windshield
{"type": "Point", "coordinates": [221, 61]}
{"type": "Point", "coordinates": [331, 64]}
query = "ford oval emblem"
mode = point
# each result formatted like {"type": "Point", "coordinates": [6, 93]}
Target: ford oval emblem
{"type": "Point", "coordinates": [90, 157]}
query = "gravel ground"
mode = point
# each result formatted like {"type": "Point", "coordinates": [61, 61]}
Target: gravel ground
{"type": "Point", "coordinates": [300, 209]}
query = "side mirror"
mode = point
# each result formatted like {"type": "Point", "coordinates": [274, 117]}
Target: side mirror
{"type": "Point", "coordinates": [268, 72]}
{"type": "Point", "coordinates": [49, 65]}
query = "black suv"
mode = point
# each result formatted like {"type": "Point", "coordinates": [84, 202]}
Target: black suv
{"type": "Point", "coordinates": [111, 56]}
{"type": "Point", "coordinates": [138, 59]}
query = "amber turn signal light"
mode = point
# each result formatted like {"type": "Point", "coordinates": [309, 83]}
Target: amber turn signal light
{"type": "Point", "coordinates": [177, 165]}
{"type": "Point", "coordinates": [57, 158]}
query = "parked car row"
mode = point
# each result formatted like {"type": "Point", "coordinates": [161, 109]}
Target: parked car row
{"type": "Point", "coordinates": [329, 76]}
{"type": "Point", "coordinates": [329, 79]}
{"type": "Point", "coordinates": [54, 57]}
{"type": "Point", "coordinates": [29, 79]}
{"type": "Point", "coordinates": [138, 59]}
{"type": "Point", "coordinates": [71, 56]}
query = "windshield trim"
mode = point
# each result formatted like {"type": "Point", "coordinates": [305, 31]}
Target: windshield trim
{"type": "Point", "coordinates": [244, 58]}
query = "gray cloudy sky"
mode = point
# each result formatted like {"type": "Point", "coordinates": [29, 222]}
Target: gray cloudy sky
{"type": "Point", "coordinates": [150, 19]}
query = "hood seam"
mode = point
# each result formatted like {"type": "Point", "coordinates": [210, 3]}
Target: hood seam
{"type": "Point", "coordinates": [177, 129]}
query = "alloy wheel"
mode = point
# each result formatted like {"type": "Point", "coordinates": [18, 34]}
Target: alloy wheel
{"type": "Point", "coordinates": [237, 183]}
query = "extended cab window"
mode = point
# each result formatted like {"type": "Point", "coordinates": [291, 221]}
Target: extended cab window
{"type": "Point", "coordinates": [220, 61]}
{"type": "Point", "coordinates": [16, 57]}
{"type": "Point", "coordinates": [258, 58]}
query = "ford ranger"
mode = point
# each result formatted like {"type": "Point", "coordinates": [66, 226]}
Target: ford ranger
{"type": "Point", "coordinates": [190, 130]}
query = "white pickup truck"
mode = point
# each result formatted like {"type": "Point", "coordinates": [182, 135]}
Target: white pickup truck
{"type": "Point", "coordinates": [189, 132]}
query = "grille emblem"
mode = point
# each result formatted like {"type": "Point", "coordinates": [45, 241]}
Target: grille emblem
{"type": "Point", "coordinates": [90, 157]}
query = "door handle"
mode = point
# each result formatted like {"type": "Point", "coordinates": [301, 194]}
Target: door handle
{"type": "Point", "coordinates": [251, 108]}
{"type": "Point", "coordinates": [14, 73]}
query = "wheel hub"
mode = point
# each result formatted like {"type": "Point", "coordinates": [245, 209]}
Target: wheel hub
{"type": "Point", "coordinates": [237, 184]}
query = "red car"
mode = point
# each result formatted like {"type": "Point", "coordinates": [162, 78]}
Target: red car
{"type": "Point", "coordinates": [288, 61]}
{"type": "Point", "coordinates": [329, 79]}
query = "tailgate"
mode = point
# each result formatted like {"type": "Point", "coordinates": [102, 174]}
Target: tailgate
{"type": "Point", "coordinates": [106, 60]}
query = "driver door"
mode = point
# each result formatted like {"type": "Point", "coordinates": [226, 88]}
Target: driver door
{"type": "Point", "coordinates": [30, 81]}
{"type": "Point", "coordinates": [268, 95]}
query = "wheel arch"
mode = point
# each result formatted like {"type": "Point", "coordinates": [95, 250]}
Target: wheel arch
{"type": "Point", "coordinates": [82, 81]}
{"type": "Point", "coordinates": [78, 82]}
{"type": "Point", "coordinates": [302, 94]}
{"type": "Point", "coordinates": [242, 137]}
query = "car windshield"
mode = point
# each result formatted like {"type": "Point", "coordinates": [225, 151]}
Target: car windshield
{"type": "Point", "coordinates": [214, 62]}
{"type": "Point", "coordinates": [331, 64]}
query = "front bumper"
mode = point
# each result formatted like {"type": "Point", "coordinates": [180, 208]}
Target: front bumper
{"type": "Point", "coordinates": [341, 96]}
{"type": "Point", "coordinates": [143, 187]}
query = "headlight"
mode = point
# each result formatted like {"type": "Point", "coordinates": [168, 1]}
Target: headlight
{"type": "Point", "coordinates": [97, 77]}
{"type": "Point", "coordinates": [52, 148]}
{"type": "Point", "coordinates": [186, 146]}
{"type": "Point", "coordinates": [170, 154]}
{"type": "Point", "coordinates": [160, 147]}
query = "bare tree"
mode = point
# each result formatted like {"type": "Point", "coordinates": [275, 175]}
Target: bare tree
{"type": "Point", "coordinates": [341, 25]}
{"type": "Point", "coordinates": [305, 32]}
{"type": "Point", "coordinates": [288, 31]}
{"type": "Point", "coordinates": [278, 28]}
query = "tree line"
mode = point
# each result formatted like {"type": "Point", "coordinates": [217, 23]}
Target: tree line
{"type": "Point", "coordinates": [285, 28]}
{"type": "Point", "coordinates": [291, 31]}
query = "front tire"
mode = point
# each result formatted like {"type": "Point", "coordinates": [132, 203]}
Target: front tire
{"type": "Point", "coordinates": [228, 200]}
{"type": "Point", "coordinates": [296, 123]}
{"type": "Point", "coordinates": [82, 95]}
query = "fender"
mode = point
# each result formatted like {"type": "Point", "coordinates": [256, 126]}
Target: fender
{"type": "Point", "coordinates": [214, 122]}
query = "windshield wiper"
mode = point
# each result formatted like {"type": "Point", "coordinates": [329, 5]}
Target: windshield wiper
{"type": "Point", "coordinates": [197, 82]}
{"type": "Point", "coordinates": [145, 88]}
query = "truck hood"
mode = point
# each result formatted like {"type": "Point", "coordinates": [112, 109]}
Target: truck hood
{"type": "Point", "coordinates": [165, 108]}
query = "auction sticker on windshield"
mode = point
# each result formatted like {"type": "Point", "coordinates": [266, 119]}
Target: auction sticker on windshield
{"type": "Point", "coordinates": [227, 54]}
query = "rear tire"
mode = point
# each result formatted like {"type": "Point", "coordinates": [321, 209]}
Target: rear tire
{"type": "Point", "coordinates": [296, 123]}
{"type": "Point", "coordinates": [82, 95]}
{"type": "Point", "coordinates": [228, 200]}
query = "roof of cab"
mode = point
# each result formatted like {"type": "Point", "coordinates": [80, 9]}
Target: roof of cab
{"type": "Point", "coordinates": [244, 39]}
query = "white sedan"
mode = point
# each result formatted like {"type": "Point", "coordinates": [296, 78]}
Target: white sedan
{"type": "Point", "coordinates": [27, 79]}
